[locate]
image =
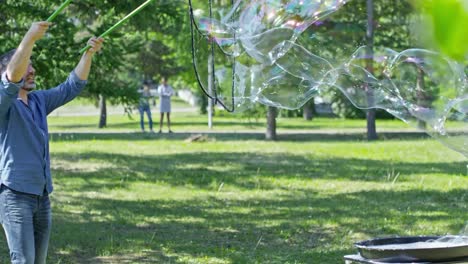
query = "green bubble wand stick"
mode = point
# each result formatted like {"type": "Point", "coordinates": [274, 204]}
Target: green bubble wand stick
{"type": "Point", "coordinates": [134, 12]}
{"type": "Point", "coordinates": [61, 7]}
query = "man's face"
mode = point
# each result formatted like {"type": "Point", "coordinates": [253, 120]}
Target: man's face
{"type": "Point", "coordinates": [29, 78]}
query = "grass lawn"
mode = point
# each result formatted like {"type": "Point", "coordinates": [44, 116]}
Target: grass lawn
{"type": "Point", "coordinates": [193, 122]}
{"type": "Point", "coordinates": [67, 119]}
{"type": "Point", "coordinates": [127, 197]}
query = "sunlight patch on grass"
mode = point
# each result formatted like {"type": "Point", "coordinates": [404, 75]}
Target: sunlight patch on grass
{"type": "Point", "coordinates": [89, 166]}
{"type": "Point", "coordinates": [199, 260]}
{"type": "Point", "coordinates": [137, 191]}
{"type": "Point", "coordinates": [214, 166]}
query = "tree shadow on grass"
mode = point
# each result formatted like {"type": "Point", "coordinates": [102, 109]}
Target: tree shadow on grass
{"type": "Point", "coordinates": [206, 170]}
{"type": "Point", "coordinates": [301, 226]}
{"type": "Point", "coordinates": [296, 225]}
{"type": "Point", "coordinates": [230, 136]}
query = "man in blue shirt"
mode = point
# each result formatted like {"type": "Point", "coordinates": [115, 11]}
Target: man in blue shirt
{"type": "Point", "coordinates": [26, 182]}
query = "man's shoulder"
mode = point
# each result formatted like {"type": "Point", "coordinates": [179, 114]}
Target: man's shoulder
{"type": "Point", "coordinates": [34, 94]}
{"type": "Point", "coordinates": [37, 95]}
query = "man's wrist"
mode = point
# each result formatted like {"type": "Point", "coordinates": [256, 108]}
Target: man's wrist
{"type": "Point", "coordinates": [88, 54]}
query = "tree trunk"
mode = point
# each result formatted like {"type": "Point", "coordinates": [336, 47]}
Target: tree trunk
{"type": "Point", "coordinates": [371, 128]}
{"type": "Point", "coordinates": [103, 111]}
{"type": "Point", "coordinates": [271, 123]}
{"type": "Point", "coordinates": [420, 95]}
{"type": "Point", "coordinates": [307, 110]}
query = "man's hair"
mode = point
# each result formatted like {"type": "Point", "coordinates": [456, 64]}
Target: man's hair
{"type": "Point", "coordinates": [5, 59]}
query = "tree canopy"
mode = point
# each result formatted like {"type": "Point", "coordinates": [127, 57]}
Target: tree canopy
{"type": "Point", "coordinates": [145, 47]}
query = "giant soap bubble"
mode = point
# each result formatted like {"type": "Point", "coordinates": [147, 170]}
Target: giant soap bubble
{"type": "Point", "coordinates": [239, 48]}
{"type": "Point", "coordinates": [420, 87]}
{"type": "Point", "coordinates": [250, 55]}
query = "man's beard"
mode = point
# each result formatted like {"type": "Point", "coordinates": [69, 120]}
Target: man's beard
{"type": "Point", "coordinates": [29, 87]}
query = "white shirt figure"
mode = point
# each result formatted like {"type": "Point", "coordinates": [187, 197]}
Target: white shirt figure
{"type": "Point", "coordinates": [165, 92]}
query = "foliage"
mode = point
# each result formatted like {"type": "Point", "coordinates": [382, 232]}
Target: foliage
{"type": "Point", "coordinates": [343, 108]}
{"type": "Point", "coordinates": [54, 56]}
{"type": "Point", "coordinates": [256, 111]}
{"type": "Point", "coordinates": [291, 113]}
{"type": "Point", "coordinates": [114, 74]}
{"type": "Point", "coordinates": [448, 23]}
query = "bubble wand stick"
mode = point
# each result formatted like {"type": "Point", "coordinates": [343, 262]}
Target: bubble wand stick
{"type": "Point", "coordinates": [61, 7]}
{"type": "Point", "coordinates": [134, 12]}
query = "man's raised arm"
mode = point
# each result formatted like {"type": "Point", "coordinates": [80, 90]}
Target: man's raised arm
{"type": "Point", "coordinates": [84, 66]}
{"type": "Point", "coordinates": [20, 61]}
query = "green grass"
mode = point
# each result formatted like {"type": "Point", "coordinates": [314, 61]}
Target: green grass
{"type": "Point", "coordinates": [190, 122]}
{"type": "Point", "coordinates": [126, 197]}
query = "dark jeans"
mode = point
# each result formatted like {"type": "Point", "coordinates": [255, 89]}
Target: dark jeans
{"type": "Point", "coordinates": [27, 220]}
{"type": "Point", "coordinates": [145, 109]}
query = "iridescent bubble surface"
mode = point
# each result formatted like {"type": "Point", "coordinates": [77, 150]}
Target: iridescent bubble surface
{"type": "Point", "coordinates": [251, 55]}
{"type": "Point", "coordinates": [420, 87]}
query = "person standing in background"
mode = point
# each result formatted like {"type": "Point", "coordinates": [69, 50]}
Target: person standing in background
{"type": "Point", "coordinates": [165, 92]}
{"type": "Point", "coordinates": [144, 107]}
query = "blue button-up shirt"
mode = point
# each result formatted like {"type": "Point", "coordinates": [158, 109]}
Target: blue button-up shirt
{"type": "Point", "coordinates": [24, 139]}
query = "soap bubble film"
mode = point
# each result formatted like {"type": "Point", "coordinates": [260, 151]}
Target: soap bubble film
{"type": "Point", "coordinates": [250, 52]}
